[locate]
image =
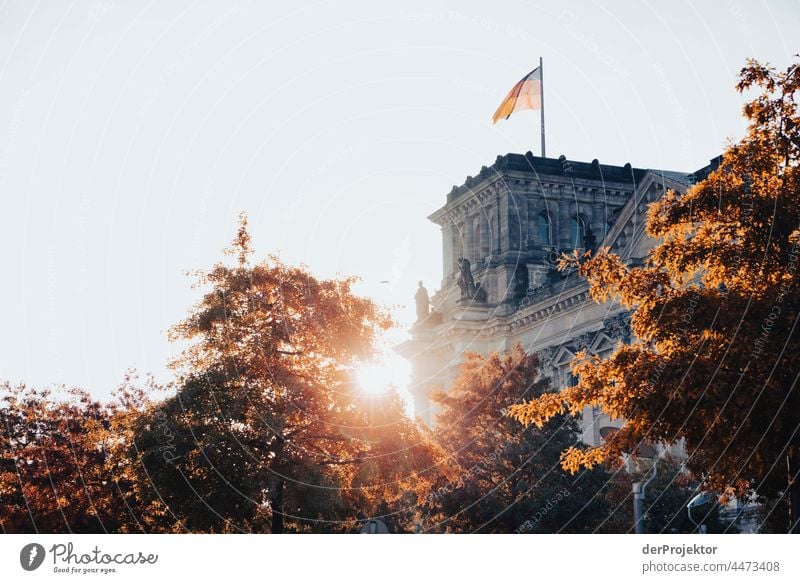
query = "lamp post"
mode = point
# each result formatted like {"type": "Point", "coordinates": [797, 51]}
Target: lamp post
{"type": "Point", "coordinates": [374, 526]}
{"type": "Point", "coordinates": [701, 499]}
{"type": "Point", "coordinates": [639, 490]}
{"type": "Point", "coordinates": [645, 451]}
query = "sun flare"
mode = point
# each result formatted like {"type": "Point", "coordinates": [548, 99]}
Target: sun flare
{"type": "Point", "coordinates": [375, 379]}
{"type": "Point", "coordinates": [391, 372]}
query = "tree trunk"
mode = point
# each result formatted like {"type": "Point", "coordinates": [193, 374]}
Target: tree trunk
{"type": "Point", "coordinates": [793, 467]}
{"type": "Point", "coordinates": [276, 502]}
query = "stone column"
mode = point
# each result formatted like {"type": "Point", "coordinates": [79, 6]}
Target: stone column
{"type": "Point", "coordinates": [517, 221]}
{"type": "Point", "coordinates": [598, 216]}
{"type": "Point", "coordinates": [458, 246]}
{"type": "Point", "coordinates": [564, 224]}
{"type": "Point", "coordinates": [550, 204]}
{"type": "Point", "coordinates": [495, 214]}
{"type": "Point", "coordinates": [486, 234]}
{"type": "Point", "coordinates": [502, 222]}
{"type": "Point", "coordinates": [535, 208]}
{"type": "Point", "coordinates": [469, 238]}
{"type": "Point", "coordinates": [448, 261]}
{"type": "Point", "coordinates": [477, 235]}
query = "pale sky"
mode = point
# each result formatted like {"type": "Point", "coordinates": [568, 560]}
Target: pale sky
{"type": "Point", "coordinates": [133, 133]}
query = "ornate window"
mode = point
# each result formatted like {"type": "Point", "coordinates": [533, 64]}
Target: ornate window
{"type": "Point", "coordinates": [543, 229]}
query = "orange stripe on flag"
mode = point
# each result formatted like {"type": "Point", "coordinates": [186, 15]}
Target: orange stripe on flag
{"type": "Point", "coordinates": [527, 94]}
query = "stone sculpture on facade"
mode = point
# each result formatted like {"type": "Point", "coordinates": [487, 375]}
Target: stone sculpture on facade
{"type": "Point", "coordinates": [423, 303]}
{"type": "Point", "coordinates": [465, 281]}
{"type": "Point", "coordinates": [469, 289]}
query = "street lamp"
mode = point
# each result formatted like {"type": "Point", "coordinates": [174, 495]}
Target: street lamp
{"type": "Point", "coordinates": [645, 451]}
{"type": "Point", "coordinates": [701, 499]}
{"type": "Point", "coordinates": [374, 526]}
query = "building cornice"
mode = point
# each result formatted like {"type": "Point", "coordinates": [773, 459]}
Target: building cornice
{"type": "Point", "coordinates": [517, 173]}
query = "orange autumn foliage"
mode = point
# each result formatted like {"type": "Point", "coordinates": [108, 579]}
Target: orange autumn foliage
{"type": "Point", "coordinates": [715, 311]}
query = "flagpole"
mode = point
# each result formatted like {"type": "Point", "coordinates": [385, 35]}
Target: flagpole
{"type": "Point", "coordinates": [541, 80]}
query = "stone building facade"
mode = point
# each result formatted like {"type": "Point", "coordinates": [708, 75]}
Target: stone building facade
{"type": "Point", "coordinates": [510, 222]}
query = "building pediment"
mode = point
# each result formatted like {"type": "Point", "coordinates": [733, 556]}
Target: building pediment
{"type": "Point", "coordinates": [602, 342]}
{"type": "Point", "coordinates": [563, 357]}
{"type": "Point", "coordinates": [627, 235]}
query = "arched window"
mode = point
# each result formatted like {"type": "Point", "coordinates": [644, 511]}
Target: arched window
{"type": "Point", "coordinates": [577, 230]}
{"type": "Point", "coordinates": [543, 229]}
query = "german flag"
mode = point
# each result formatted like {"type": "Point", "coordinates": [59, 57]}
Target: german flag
{"type": "Point", "coordinates": [527, 94]}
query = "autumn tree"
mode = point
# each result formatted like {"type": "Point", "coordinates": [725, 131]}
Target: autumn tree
{"type": "Point", "coordinates": [508, 480]}
{"type": "Point", "coordinates": [256, 436]}
{"type": "Point", "coordinates": [715, 312]}
{"type": "Point", "coordinates": [60, 469]}
{"type": "Point", "coordinates": [402, 464]}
